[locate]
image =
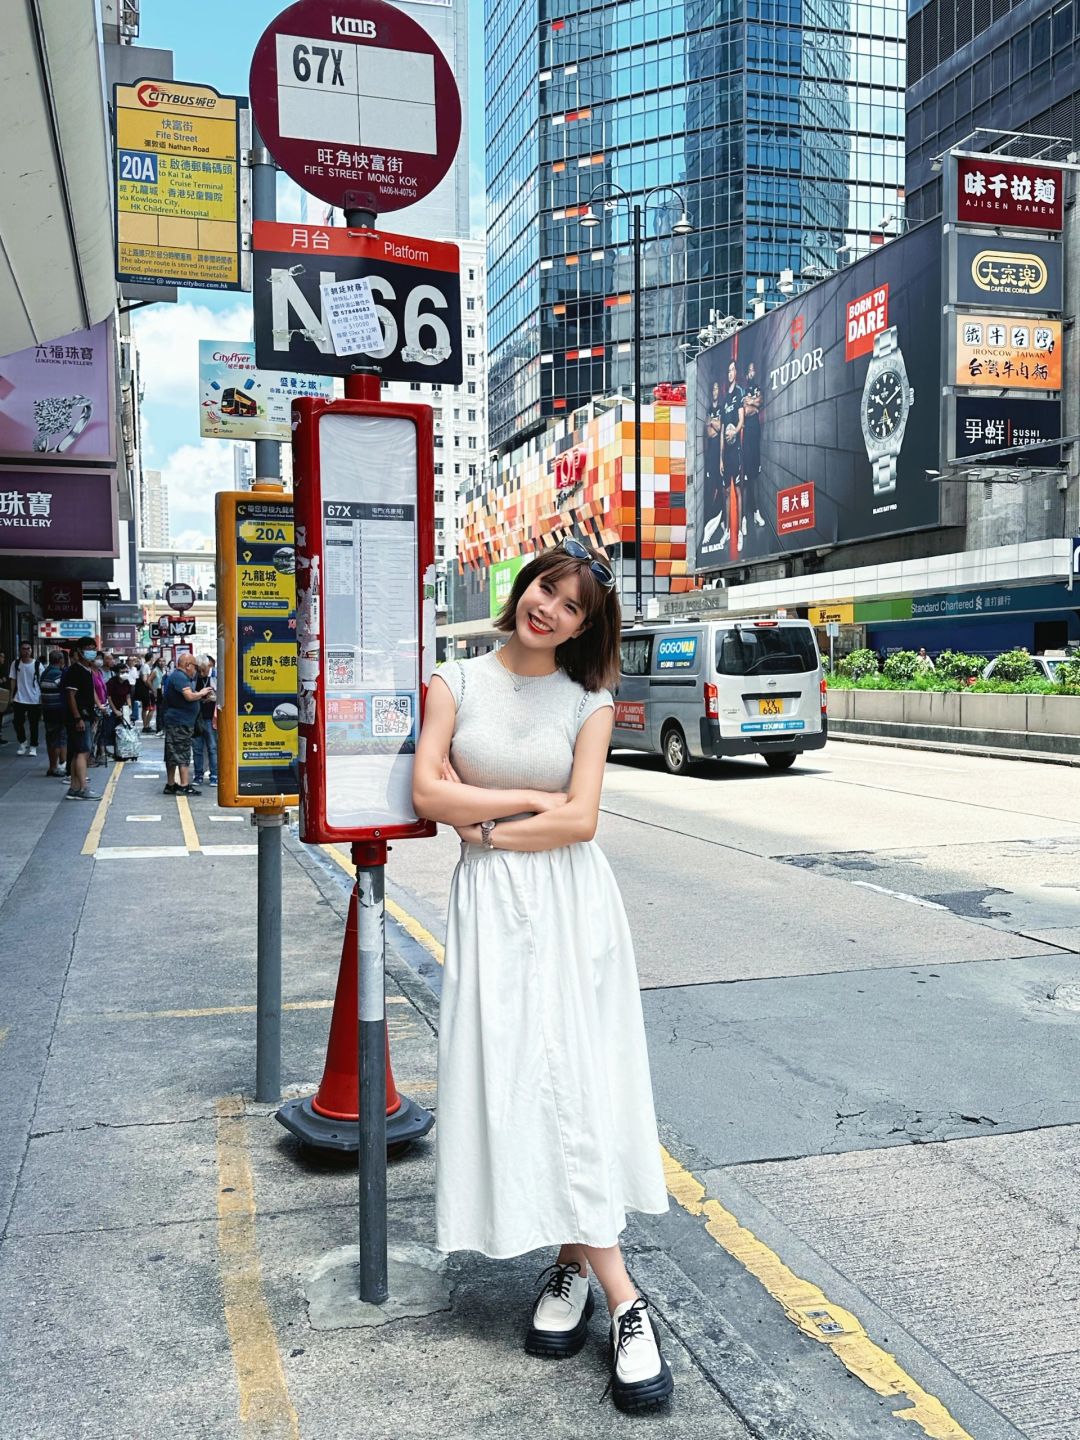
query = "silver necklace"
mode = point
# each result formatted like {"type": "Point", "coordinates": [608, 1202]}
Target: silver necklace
{"type": "Point", "coordinates": [519, 682]}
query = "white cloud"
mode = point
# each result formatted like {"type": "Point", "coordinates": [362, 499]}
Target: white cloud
{"type": "Point", "coordinates": [168, 339]}
{"type": "Point", "coordinates": [193, 475]}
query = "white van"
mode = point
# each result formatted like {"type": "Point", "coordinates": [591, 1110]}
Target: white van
{"type": "Point", "coordinates": [721, 687]}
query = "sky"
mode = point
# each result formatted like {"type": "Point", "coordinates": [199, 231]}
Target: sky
{"type": "Point", "coordinates": [212, 44]}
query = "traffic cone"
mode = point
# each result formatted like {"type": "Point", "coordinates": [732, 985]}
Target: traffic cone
{"type": "Point", "coordinates": [330, 1119]}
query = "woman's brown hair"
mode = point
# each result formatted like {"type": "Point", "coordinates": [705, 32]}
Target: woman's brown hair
{"type": "Point", "coordinates": [593, 658]}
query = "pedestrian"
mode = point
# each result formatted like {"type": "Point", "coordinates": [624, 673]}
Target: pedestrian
{"type": "Point", "coordinates": [5, 695]}
{"type": "Point", "coordinates": [157, 685]}
{"type": "Point", "coordinates": [181, 698]}
{"type": "Point", "coordinates": [547, 1133]}
{"type": "Point", "coordinates": [143, 694]}
{"type": "Point", "coordinates": [118, 692]}
{"type": "Point", "coordinates": [25, 691]}
{"type": "Point", "coordinates": [54, 713]}
{"type": "Point", "coordinates": [101, 738]}
{"type": "Point", "coordinates": [131, 675]}
{"type": "Point", "coordinates": [923, 664]}
{"type": "Point", "coordinates": [81, 699]}
{"type": "Point", "coordinates": [204, 739]}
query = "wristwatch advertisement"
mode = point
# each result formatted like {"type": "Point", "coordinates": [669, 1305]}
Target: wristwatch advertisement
{"type": "Point", "coordinates": [887, 399]}
{"type": "Point", "coordinates": [487, 829]}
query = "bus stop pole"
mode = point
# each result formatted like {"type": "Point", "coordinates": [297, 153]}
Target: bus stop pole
{"type": "Point", "coordinates": [369, 857]}
{"type": "Point", "coordinates": [268, 824]}
{"type": "Point", "coordinates": [268, 975]}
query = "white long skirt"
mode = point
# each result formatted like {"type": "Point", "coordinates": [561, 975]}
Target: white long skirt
{"type": "Point", "coordinates": [546, 1131]}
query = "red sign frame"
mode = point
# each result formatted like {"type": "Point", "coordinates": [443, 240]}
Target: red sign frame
{"type": "Point", "coordinates": [353, 173]}
{"type": "Point", "coordinates": [307, 413]}
{"type": "Point", "coordinates": [987, 193]}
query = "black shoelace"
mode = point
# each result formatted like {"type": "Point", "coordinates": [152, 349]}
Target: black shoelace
{"type": "Point", "coordinates": [630, 1328]}
{"type": "Point", "coordinates": [558, 1281]}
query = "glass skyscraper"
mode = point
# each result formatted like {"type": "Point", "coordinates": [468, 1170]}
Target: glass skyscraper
{"type": "Point", "coordinates": [999, 66]}
{"type": "Point", "coordinates": [781, 122]}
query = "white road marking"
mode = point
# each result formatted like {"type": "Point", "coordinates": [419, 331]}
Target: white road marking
{"type": "Point", "coordinates": [227, 819]}
{"type": "Point", "coordinates": [901, 895]}
{"type": "Point", "coordinates": [230, 849]}
{"type": "Point", "coordinates": [140, 852]}
{"type": "Point", "coordinates": [142, 819]}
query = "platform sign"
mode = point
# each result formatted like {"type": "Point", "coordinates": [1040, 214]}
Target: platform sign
{"type": "Point", "coordinates": [356, 102]}
{"type": "Point", "coordinates": [364, 496]}
{"type": "Point", "coordinates": [256, 589]}
{"type": "Point", "coordinates": [178, 185]}
{"type": "Point", "coordinates": [416, 286]}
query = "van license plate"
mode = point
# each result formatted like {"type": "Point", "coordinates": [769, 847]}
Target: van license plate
{"type": "Point", "coordinates": [772, 706]}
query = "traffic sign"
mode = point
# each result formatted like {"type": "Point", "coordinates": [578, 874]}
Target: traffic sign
{"type": "Point", "coordinates": [356, 102]}
{"type": "Point", "coordinates": [174, 625]}
{"type": "Point", "coordinates": [180, 596]}
{"type": "Point", "coordinates": [416, 285]}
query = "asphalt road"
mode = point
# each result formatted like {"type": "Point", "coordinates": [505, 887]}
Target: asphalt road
{"type": "Point", "coordinates": [862, 991]}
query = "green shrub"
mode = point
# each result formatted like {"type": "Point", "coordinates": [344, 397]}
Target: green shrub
{"type": "Point", "coordinates": [902, 667]}
{"type": "Point", "coordinates": [1068, 674]}
{"type": "Point", "coordinates": [1015, 666]}
{"type": "Point", "coordinates": [956, 665]}
{"type": "Point", "coordinates": [859, 664]}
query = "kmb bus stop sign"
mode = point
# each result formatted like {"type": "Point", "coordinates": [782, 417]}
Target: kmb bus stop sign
{"type": "Point", "coordinates": [356, 102]}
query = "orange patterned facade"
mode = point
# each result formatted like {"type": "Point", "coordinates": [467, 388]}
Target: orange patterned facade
{"type": "Point", "coordinates": [582, 482]}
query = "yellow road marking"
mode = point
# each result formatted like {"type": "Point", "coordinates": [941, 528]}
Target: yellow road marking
{"type": "Point", "coordinates": [4, 1032]}
{"type": "Point", "coordinates": [187, 824]}
{"type": "Point", "coordinates": [97, 825]}
{"type": "Point", "coordinates": [266, 1411]}
{"type": "Point", "coordinates": [408, 923]}
{"type": "Point", "coordinates": [804, 1303]}
{"type": "Point", "coordinates": [807, 1307]}
{"type": "Point", "coordinates": [209, 1011]}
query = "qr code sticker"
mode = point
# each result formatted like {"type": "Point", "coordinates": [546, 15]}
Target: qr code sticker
{"type": "Point", "coordinates": [391, 715]}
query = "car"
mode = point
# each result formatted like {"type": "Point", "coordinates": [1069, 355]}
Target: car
{"type": "Point", "coordinates": [1046, 666]}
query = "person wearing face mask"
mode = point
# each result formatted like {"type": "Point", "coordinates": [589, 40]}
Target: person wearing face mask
{"type": "Point", "coordinates": [80, 699]}
{"type": "Point", "coordinates": [182, 698]}
{"type": "Point", "coordinates": [101, 737]}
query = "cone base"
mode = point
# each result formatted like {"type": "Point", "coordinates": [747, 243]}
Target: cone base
{"type": "Point", "coordinates": [408, 1122]}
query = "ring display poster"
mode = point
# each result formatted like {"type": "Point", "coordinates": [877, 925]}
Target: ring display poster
{"type": "Point", "coordinates": [371, 631]}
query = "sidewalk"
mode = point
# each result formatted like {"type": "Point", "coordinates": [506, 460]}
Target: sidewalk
{"type": "Point", "coordinates": [161, 1233]}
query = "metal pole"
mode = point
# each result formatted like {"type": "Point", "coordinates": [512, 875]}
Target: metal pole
{"type": "Point", "coordinates": [268, 973]}
{"type": "Point", "coordinates": [264, 207]}
{"type": "Point", "coordinates": [638, 614]}
{"type": "Point", "coordinates": [371, 919]}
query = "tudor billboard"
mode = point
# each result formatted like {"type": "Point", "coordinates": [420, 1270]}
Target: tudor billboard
{"type": "Point", "coordinates": [816, 424]}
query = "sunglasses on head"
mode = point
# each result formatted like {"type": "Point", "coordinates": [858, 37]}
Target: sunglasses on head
{"type": "Point", "coordinates": [577, 551]}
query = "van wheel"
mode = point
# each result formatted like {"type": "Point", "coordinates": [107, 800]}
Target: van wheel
{"type": "Point", "coordinates": [781, 760]}
{"type": "Point", "coordinates": [676, 755]}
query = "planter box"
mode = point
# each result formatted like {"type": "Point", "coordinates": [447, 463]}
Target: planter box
{"type": "Point", "coordinates": [930, 707]}
{"type": "Point", "coordinates": [840, 704]}
{"type": "Point", "coordinates": [1053, 714]}
{"type": "Point", "coordinates": [993, 712]}
{"type": "Point", "coordinates": [877, 705]}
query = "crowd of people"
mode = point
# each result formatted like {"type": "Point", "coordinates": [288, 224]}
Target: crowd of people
{"type": "Point", "coordinates": [92, 705]}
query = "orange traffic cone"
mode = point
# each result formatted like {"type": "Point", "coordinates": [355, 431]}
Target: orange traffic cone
{"type": "Point", "coordinates": [330, 1119]}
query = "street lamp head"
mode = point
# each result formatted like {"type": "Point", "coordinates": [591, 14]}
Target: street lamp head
{"type": "Point", "coordinates": [683, 226]}
{"type": "Point", "coordinates": [590, 219]}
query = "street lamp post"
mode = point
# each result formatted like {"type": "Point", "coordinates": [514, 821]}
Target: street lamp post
{"type": "Point", "coordinates": [683, 226]}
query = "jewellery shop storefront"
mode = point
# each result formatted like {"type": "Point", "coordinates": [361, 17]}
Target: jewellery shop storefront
{"type": "Point", "coordinates": [574, 480]}
{"type": "Point", "coordinates": [59, 467]}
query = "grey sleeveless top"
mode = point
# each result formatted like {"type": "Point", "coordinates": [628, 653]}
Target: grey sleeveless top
{"type": "Point", "coordinates": [507, 739]}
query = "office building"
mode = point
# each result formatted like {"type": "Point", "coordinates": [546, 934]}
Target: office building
{"type": "Point", "coordinates": [153, 528]}
{"type": "Point", "coordinates": [459, 413]}
{"type": "Point", "coordinates": [974, 64]}
{"type": "Point", "coordinates": [786, 140]}
{"type": "Point", "coordinates": [444, 214]}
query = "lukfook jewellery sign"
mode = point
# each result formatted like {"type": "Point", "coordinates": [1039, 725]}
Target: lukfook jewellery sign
{"type": "Point", "coordinates": [58, 510]}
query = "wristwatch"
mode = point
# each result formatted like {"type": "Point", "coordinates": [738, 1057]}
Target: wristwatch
{"type": "Point", "coordinates": [887, 399]}
{"type": "Point", "coordinates": [487, 828]}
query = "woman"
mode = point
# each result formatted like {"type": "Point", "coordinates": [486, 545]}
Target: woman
{"type": "Point", "coordinates": [5, 697]}
{"type": "Point", "coordinates": [102, 726]}
{"type": "Point", "coordinates": [546, 1134]}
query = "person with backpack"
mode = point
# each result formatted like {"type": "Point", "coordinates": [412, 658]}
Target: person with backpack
{"type": "Point", "coordinates": [54, 713]}
{"type": "Point", "coordinates": [26, 698]}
